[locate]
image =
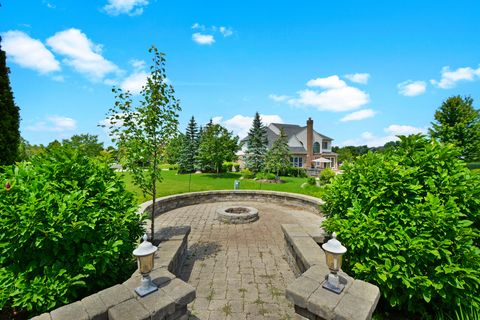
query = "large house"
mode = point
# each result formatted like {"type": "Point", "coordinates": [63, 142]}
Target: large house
{"type": "Point", "coordinates": [309, 148]}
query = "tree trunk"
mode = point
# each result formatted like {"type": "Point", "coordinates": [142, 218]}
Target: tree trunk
{"type": "Point", "coordinates": [154, 196]}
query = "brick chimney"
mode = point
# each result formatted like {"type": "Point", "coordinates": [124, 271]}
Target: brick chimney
{"type": "Point", "coordinates": [308, 163]}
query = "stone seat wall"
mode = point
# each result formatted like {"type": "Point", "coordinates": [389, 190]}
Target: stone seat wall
{"type": "Point", "coordinates": [120, 302]}
{"type": "Point", "coordinates": [356, 302]}
{"type": "Point", "coordinates": [168, 203]}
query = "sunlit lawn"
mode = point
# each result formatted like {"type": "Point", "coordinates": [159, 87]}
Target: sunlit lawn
{"type": "Point", "coordinates": [174, 183]}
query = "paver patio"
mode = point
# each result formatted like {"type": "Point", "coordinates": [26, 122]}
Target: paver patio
{"type": "Point", "coordinates": [239, 271]}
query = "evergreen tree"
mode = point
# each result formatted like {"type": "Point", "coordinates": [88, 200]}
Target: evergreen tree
{"type": "Point", "coordinates": [188, 155]}
{"type": "Point", "coordinates": [278, 157]}
{"type": "Point", "coordinates": [9, 117]}
{"type": "Point", "coordinates": [256, 145]}
{"type": "Point", "coordinates": [458, 122]}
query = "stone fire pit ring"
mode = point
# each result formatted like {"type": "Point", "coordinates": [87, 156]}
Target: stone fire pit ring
{"type": "Point", "coordinates": [237, 214]}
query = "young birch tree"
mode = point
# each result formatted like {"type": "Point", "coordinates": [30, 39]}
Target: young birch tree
{"type": "Point", "coordinates": [142, 130]}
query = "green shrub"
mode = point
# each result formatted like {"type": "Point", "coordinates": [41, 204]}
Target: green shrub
{"type": "Point", "coordinates": [473, 165]}
{"type": "Point", "coordinates": [311, 181]}
{"type": "Point", "coordinates": [265, 176]}
{"type": "Point", "coordinates": [326, 176]}
{"type": "Point", "coordinates": [227, 166]}
{"type": "Point", "coordinates": [410, 219]}
{"type": "Point", "coordinates": [67, 229]}
{"type": "Point", "coordinates": [295, 172]}
{"type": "Point", "coordinates": [247, 174]}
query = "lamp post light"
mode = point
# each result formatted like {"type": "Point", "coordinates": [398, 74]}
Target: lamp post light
{"type": "Point", "coordinates": [145, 254]}
{"type": "Point", "coordinates": [333, 254]}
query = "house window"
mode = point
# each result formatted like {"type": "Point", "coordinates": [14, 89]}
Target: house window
{"type": "Point", "coordinates": [296, 162]}
{"type": "Point", "coordinates": [316, 147]}
{"type": "Point", "coordinates": [324, 144]}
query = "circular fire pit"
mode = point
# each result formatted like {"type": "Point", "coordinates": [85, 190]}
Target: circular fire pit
{"type": "Point", "coordinates": [237, 215]}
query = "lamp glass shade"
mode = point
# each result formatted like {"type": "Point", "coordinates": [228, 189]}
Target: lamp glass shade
{"type": "Point", "coordinates": [145, 263]}
{"type": "Point", "coordinates": [334, 261]}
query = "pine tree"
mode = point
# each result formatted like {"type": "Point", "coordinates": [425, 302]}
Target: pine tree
{"type": "Point", "coordinates": [256, 145]}
{"type": "Point", "coordinates": [9, 117]}
{"type": "Point", "coordinates": [188, 155]}
{"type": "Point", "coordinates": [278, 157]}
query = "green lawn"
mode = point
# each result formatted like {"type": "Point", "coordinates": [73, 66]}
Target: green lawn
{"type": "Point", "coordinates": [174, 183]}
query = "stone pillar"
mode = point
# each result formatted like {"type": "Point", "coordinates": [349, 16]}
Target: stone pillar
{"type": "Point", "coordinates": [308, 163]}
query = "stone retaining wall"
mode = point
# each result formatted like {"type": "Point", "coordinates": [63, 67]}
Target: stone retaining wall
{"type": "Point", "coordinates": [120, 302]}
{"type": "Point", "coordinates": [168, 203]}
{"type": "Point", "coordinates": [356, 302]}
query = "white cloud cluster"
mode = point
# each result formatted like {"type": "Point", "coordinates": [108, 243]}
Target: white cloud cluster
{"type": "Point", "coordinates": [278, 98]}
{"type": "Point", "coordinates": [130, 7]}
{"type": "Point", "coordinates": [392, 131]}
{"type": "Point", "coordinates": [205, 35]}
{"type": "Point", "coordinates": [411, 88]}
{"type": "Point", "coordinates": [54, 124]}
{"type": "Point", "coordinates": [28, 52]}
{"type": "Point", "coordinates": [203, 39]}
{"type": "Point", "coordinates": [81, 53]}
{"type": "Point", "coordinates": [450, 78]}
{"type": "Point", "coordinates": [359, 115]}
{"type": "Point", "coordinates": [137, 79]}
{"type": "Point", "coordinates": [361, 78]}
{"type": "Point", "coordinates": [334, 95]}
{"type": "Point", "coordinates": [240, 124]}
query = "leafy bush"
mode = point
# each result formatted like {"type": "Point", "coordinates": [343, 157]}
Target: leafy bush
{"type": "Point", "coordinates": [311, 181]}
{"type": "Point", "coordinates": [326, 176]}
{"type": "Point", "coordinates": [473, 165]}
{"type": "Point", "coordinates": [227, 166]}
{"type": "Point", "coordinates": [247, 174]}
{"type": "Point", "coordinates": [410, 219]}
{"type": "Point", "coordinates": [67, 229]}
{"type": "Point", "coordinates": [295, 172]}
{"type": "Point", "coordinates": [265, 176]}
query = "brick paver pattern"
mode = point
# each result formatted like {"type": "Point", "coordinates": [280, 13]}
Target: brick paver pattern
{"type": "Point", "coordinates": [239, 271]}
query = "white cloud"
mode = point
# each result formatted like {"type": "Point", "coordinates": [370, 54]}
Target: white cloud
{"type": "Point", "coordinates": [81, 53]}
{"type": "Point", "coordinates": [134, 82]}
{"type": "Point", "coordinates": [130, 7]}
{"type": "Point", "coordinates": [240, 125]}
{"type": "Point", "coordinates": [336, 100]}
{"type": "Point", "coordinates": [359, 115]}
{"type": "Point", "coordinates": [199, 26]}
{"type": "Point", "coordinates": [28, 52]}
{"type": "Point", "coordinates": [332, 82]}
{"type": "Point", "coordinates": [54, 124]}
{"type": "Point", "coordinates": [137, 64]}
{"type": "Point", "coordinates": [405, 130]}
{"type": "Point", "coordinates": [203, 38]}
{"type": "Point", "coordinates": [217, 120]}
{"type": "Point", "coordinates": [371, 140]}
{"type": "Point", "coordinates": [450, 78]}
{"type": "Point", "coordinates": [411, 88]}
{"type": "Point", "coordinates": [278, 98]}
{"type": "Point", "coordinates": [358, 77]}
{"type": "Point", "coordinates": [227, 32]}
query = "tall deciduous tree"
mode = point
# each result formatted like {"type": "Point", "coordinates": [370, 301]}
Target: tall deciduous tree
{"type": "Point", "coordinates": [173, 150]}
{"type": "Point", "coordinates": [256, 145]}
{"type": "Point", "coordinates": [217, 145]}
{"type": "Point", "coordinates": [9, 117]}
{"type": "Point", "coordinates": [458, 122]}
{"type": "Point", "coordinates": [142, 131]}
{"type": "Point", "coordinates": [278, 157]}
{"type": "Point", "coordinates": [87, 144]}
{"type": "Point", "coordinates": [189, 152]}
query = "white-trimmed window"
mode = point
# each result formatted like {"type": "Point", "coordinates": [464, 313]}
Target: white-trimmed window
{"type": "Point", "coordinates": [297, 162]}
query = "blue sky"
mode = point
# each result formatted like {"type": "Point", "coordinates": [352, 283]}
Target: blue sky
{"type": "Point", "coordinates": [365, 71]}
